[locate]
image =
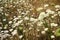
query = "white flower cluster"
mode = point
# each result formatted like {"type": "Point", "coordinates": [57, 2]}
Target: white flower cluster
{"type": "Point", "coordinates": [24, 17]}
{"type": "Point", "coordinates": [1, 9]}
{"type": "Point", "coordinates": [14, 32]}
{"type": "Point", "coordinates": [40, 8]}
{"type": "Point", "coordinates": [52, 36]}
{"type": "Point", "coordinates": [44, 14]}
{"type": "Point", "coordinates": [44, 31]}
{"type": "Point", "coordinates": [20, 36]}
{"type": "Point", "coordinates": [46, 5]}
{"type": "Point", "coordinates": [49, 11]}
{"type": "Point", "coordinates": [54, 24]}
{"type": "Point", "coordinates": [57, 6]}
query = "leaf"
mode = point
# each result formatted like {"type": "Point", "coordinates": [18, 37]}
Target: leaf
{"type": "Point", "coordinates": [57, 33]}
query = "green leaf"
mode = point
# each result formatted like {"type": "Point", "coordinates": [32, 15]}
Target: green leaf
{"type": "Point", "coordinates": [57, 33]}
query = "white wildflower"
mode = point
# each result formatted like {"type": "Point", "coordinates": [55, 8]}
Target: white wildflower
{"type": "Point", "coordinates": [57, 6]}
{"type": "Point", "coordinates": [0, 27]}
{"type": "Point", "coordinates": [5, 27]}
{"type": "Point", "coordinates": [46, 5]}
{"type": "Point", "coordinates": [48, 10]}
{"type": "Point", "coordinates": [39, 23]}
{"type": "Point", "coordinates": [16, 24]}
{"type": "Point", "coordinates": [10, 29]}
{"type": "Point", "coordinates": [6, 5]}
{"type": "Point", "coordinates": [14, 32]}
{"type": "Point", "coordinates": [40, 8]}
{"type": "Point", "coordinates": [20, 36]}
{"type": "Point", "coordinates": [24, 30]}
{"type": "Point", "coordinates": [42, 13]}
{"type": "Point", "coordinates": [52, 12]}
{"type": "Point", "coordinates": [54, 24]}
{"type": "Point", "coordinates": [2, 7]}
{"type": "Point", "coordinates": [35, 20]}
{"type": "Point", "coordinates": [46, 29]}
{"type": "Point", "coordinates": [6, 14]}
{"type": "Point", "coordinates": [54, 15]}
{"type": "Point", "coordinates": [26, 18]}
{"type": "Point", "coordinates": [53, 31]}
{"type": "Point", "coordinates": [19, 16]}
{"type": "Point", "coordinates": [27, 11]}
{"type": "Point", "coordinates": [16, 18]}
{"type": "Point", "coordinates": [42, 16]}
{"type": "Point", "coordinates": [22, 13]}
{"type": "Point", "coordinates": [57, 9]}
{"type": "Point", "coordinates": [5, 35]}
{"type": "Point", "coordinates": [32, 19]}
{"type": "Point", "coordinates": [19, 10]}
{"type": "Point", "coordinates": [30, 28]}
{"type": "Point", "coordinates": [43, 32]}
{"type": "Point", "coordinates": [4, 19]}
{"type": "Point", "coordinates": [10, 22]}
{"type": "Point", "coordinates": [20, 21]}
{"type": "Point", "coordinates": [6, 31]}
{"type": "Point", "coordinates": [2, 31]}
{"type": "Point", "coordinates": [52, 36]}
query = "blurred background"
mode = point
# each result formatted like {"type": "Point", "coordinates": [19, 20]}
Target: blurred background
{"type": "Point", "coordinates": [29, 19]}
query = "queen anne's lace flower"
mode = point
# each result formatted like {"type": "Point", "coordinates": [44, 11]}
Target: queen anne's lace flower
{"type": "Point", "coordinates": [57, 6]}
{"type": "Point", "coordinates": [46, 5]}
{"type": "Point", "coordinates": [10, 22]}
{"type": "Point", "coordinates": [20, 36]}
{"type": "Point", "coordinates": [54, 24]}
{"type": "Point", "coordinates": [26, 18]}
{"type": "Point", "coordinates": [52, 36]}
{"type": "Point", "coordinates": [14, 32]}
{"type": "Point", "coordinates": [43, 32]}
{"type": "Point", "coordinates": [41, 16]}
{"type": "Point", "coordinates": [4, 19]}
{"type": "Point", "coordinates": [40, 8]}
{"type": "Point", "coordinates": [45, 29]}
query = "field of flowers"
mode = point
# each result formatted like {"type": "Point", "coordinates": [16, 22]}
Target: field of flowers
{"type": "Point", "coordinates": [29, 19]}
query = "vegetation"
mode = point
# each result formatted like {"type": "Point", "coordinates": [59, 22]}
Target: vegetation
{"type": "Point", "coordinates": [29, 19]}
